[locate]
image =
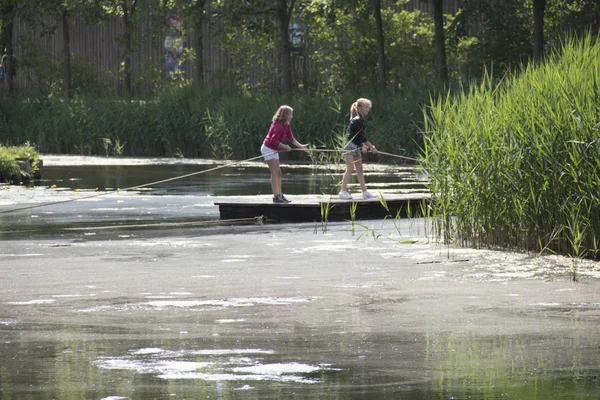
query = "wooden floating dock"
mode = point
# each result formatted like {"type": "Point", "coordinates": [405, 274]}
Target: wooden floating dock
{"type": "Point", "coordinates": [325, 209]}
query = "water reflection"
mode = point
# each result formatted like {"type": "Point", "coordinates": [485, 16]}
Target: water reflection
{"type": "Point", "coordinates": [442, 366]}
{"type": "Point", "coordinates": [537, 366]}
{"type": "Point", "coordinates": [249, 179]}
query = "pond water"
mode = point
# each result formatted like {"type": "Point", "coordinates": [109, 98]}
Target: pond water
{"type": "Point", "coordinates": [210, 178]}
{"type": "Point", "coordinates": [79, 191]}
{"type": "Point", "coordinates": [90, 310]}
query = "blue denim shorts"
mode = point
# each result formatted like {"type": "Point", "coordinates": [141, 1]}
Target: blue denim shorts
{"type": "Point", "coordinates": [351, 149]}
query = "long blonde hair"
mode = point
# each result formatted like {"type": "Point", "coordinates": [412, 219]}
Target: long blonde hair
{"type": "Point", "coordinates": [283, 114]}
{"type": "Point", "coordinates": [354, 106]}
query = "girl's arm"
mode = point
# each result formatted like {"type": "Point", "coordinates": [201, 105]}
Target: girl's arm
{"type": "Point", "coordinates": [369, 147]}
{"type": "Point", "coordinates": [300, 145]}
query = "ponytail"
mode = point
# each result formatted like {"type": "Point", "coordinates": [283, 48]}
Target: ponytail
{"type": "Point", "coordinates": [353, 110]}
{"type": "Point", "coordinates": [354, 106]}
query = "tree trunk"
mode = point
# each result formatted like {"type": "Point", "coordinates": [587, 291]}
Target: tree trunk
{"type": "Point", "coordinates": [440, 40]}
{"type": "Point", "coordinates": [380, 43]}
{"type": "Point", "coordinates": [199, 48]}
{"type": "Point", "coordinates": [7, 36]}
{"type": "Point", "coordinates": [127, 49]}
{"type": "Point", "coordinates": [596, 23]}
{"type": "Point", "coordinates": [66, 53]}
{"type": "Point", "coordinates": [286, 58]}
{"type": "Point", "coordinates": [539, 7]}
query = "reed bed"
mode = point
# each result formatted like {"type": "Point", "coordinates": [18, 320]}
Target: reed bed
{"type": "Point", "coordinates": [189, 122]}
{"type": "Point", "coordinates": [517, 165]}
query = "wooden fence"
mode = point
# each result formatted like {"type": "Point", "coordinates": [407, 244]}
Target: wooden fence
{"type": "Point", "coordinates": [98, 45]}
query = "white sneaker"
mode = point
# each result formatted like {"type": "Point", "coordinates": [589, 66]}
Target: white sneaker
{"type": "Point", "coordinates": [345, 195]}
{"type": "Point", "coordinates": [368, 196]}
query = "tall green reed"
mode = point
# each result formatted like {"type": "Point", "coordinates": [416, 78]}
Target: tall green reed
{"type": "Point", "coordinates": [517, 165]}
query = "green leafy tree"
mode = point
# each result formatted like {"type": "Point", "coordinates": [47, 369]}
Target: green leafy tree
{"type": "Point", "coordinates": [143, 16]}
{"type": "Point", "coordinates": [489, 34]}
{"type": "Point", "coordinates": [252, 30]}
{"type": "Point", "coordinates": [570, 17]}
{"type": "Point", "coordinates": [341, 39]}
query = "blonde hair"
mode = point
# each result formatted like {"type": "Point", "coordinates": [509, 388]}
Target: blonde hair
{"type": "Point", "coordinates": [283, 114]}
{"type": "Point", "coordinates": [356, 104]}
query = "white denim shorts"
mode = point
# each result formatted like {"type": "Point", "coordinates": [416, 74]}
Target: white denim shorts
{"type": "Point", "coordinates": [269, 153]}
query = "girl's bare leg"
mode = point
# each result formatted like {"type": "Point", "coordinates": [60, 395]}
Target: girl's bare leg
{"type": "Point", "coordinates": [275, 176]}
{"type": "Point", "coordinates": [349, 170]}
{"type": "Point", "coordinates": [360, 175]}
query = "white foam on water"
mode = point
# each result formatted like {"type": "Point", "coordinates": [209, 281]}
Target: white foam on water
{"type": "Point", "coordinates": [30, 302]}
{"type": "Point", "coordinates": [229, 321]}
{"type": "Point", "coordinates": [98, 309]}
{"type": "Point", "coordinates": [170, 243]}
{"type": "Point", "coordinates": [335, 247]}
{"type": "Point", "coordinates": [221, 352]}
{"type": "Point", "coordinates": [566, 305]}
{"type": "Point", "coordinates": [149, 350]}
{"type": "Point", "coordinates": [277, 369]}
{"type": "Point", "coordinates": [114, 398]}
{"type": "Point", "coordinates": [191, 303]}
{"type": "Point", "coordinates": [154, 366]}
{"type": "Point", "coordinates": [245, 387]}
{"type": "Point", "coordinates": [21, 255]}
{"type": "Point", "coordinates": [237, 377]}
{"type": "Point", "coordinates": [233, 302]}
{"type": "Point", "coordinates": [354, 286]}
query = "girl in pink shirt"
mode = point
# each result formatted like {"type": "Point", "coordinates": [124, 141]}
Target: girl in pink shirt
{"type": "Point", "coordinates": [279, 132]}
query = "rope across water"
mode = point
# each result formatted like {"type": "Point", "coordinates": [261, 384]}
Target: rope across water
{"type": "Point", "coordinates": [183, 176]}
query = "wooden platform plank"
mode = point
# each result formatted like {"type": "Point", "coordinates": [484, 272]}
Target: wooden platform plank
{"type": "Point", "coordinates": [318, 210]}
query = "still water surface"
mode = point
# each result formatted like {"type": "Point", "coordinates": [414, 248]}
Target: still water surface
{"type": "Point", "coordinates": [272, 312]}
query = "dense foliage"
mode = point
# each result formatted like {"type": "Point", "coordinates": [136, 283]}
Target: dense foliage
{"type": "Point", "coordinates": [190, 122]}
{"type": "Point", "coordinates": [518, 165]}
{"type": "Point", "coordinates": [11, 171]}
{"type": "Point", "coordinates": [329, 45]}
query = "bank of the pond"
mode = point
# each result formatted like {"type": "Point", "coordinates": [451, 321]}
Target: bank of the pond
{"type": "Point", "coordinates": [19, 164]}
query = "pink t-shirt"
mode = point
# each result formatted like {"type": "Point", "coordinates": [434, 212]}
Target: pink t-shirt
{"type": "Point", "coordinates": [278, 133]}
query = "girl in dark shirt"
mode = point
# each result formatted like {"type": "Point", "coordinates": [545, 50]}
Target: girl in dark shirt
{"type": "Point", "coordinates": [356, 141]}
